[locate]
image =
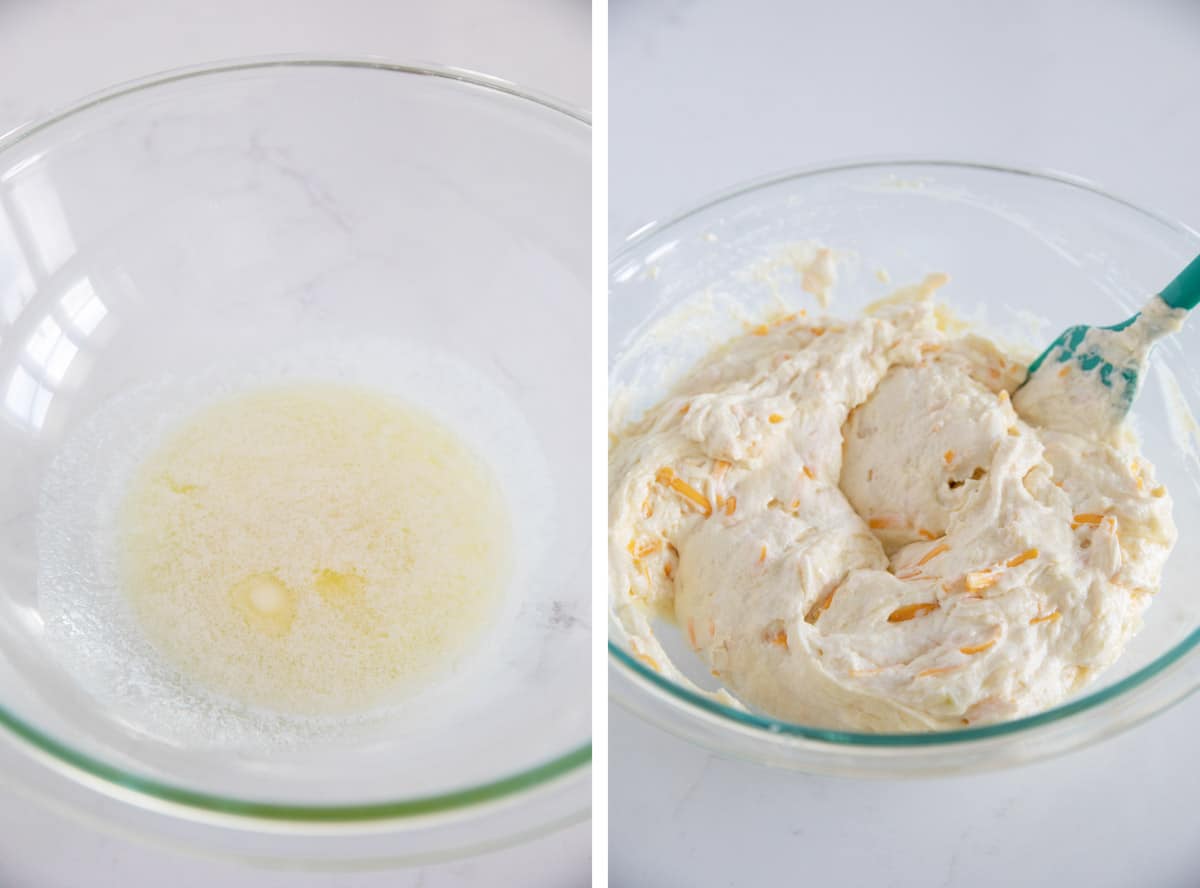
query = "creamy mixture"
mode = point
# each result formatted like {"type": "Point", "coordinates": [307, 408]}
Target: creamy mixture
{"type": "Point", "coordinates": [857, 526]}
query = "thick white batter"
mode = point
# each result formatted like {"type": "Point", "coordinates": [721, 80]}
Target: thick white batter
{"type": "Point", "coordinates": [857, 530]}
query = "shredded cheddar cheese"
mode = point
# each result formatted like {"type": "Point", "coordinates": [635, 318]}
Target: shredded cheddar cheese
{"type": "Point", "coordinates": [978, 580]}
{"type": "Point", "coordinates": [821, 606]}
{"type": "Point", "coordinates": [933, 553]}
{"type": "Point", "coordinates": [1027, 555]}
{"type": "Point", "coordinates": [667, 476]}
{"type": "Point", "coordinates": [941, 670]}
{"type": "Point", "coordinates": [648, 660]}
{"type": "Point", "coordinates": [977, 648]}
{"type": "Point", "coordinates": [910, 611]}
{"type": "Point", "coordinates": [649, 548]}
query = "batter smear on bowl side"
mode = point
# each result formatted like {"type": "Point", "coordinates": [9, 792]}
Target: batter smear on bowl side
{"type": "Point", "coordinates": [857, 528]}
{"type": "Point", "coordinates": [313, 549]}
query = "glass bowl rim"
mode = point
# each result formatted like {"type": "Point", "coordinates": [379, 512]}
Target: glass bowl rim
{"type": "Point", "coordinates": [766, 727]}
{"type": "Point", "coordinates": [115, 780]}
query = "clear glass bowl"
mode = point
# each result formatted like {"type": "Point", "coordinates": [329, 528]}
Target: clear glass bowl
{"type": "Point", "coordinates": [1019, 246]}
{"type": "Point", "coordinates": [215, 215]}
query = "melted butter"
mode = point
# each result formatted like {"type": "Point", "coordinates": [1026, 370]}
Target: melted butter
{"type": "Point", "coordinates": [313, 549]}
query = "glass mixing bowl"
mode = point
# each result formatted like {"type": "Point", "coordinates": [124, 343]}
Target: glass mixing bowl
{"type": "Point", "coordinates": [1028, 254]}
{"type": "Point", "coordinates": [219, 215]}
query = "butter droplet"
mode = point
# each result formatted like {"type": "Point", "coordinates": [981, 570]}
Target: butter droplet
{"type": "Point", "coordinates": [266, 603]}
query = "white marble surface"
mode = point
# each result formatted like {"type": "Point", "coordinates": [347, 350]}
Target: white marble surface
{"type": "Point", "coordinates": [703, 95]}
{"type": "Point", "coordinates": [52, 52]}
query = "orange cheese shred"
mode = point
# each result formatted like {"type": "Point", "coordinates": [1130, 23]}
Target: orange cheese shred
{"type": "Point", "coordinates": [779, 638]}
{"type": "Point", "coordinates": [1027, 555]}
{"type": "Point", "coordinates": [933, 553]}
{"type": "Point", "coordinates": [667, 477]}
{"type": "Point", "coordinates": [1046, 618]}
{"type": "Point", "coordinates": [977, 648]}
{"type": "Point", "coordinates": [648, 660]}
{"type": "Point", "coordinates": [978, 580]}
{"type": "Point", "coordinates": [910, 611]}
{"type": "Point", "coordinates": [821, 606]}
{"type": "Point", "coordinates": [649, 548]}
{"type": "Point", "coordinates": [925, 673]}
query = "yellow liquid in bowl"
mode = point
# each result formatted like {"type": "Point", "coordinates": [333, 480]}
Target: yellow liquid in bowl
{"type": "Point", "coordinates": [315, 549]}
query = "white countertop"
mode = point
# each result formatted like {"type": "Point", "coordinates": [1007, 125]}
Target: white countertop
{"type": "Point", "coordinates": [53, 52]}
{"type": "Point", "coordinates": [704, 95]}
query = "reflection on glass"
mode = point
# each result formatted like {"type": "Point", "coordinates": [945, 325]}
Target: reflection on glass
{"type": "Point", "coordinates": [39, 302]}
{"type": "Point", "coordinates": [38, 211]}
{"type": "Point", "coordinates": [50, 350]}
{"type": "Point", "coordinates": [27, 400]}
{"type": "Point", "coordinates": [82, 307]}
{"type": "Point", "coordinates": [16, 283]}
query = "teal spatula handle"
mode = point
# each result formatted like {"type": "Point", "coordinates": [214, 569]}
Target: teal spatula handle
{"type": "Point", "coordinates": [1184, 291]}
